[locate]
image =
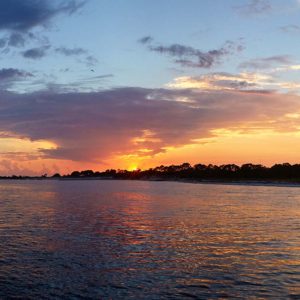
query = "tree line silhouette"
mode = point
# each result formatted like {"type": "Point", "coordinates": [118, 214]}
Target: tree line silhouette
{"type": "Point", "coordinates": [185, 171]}
{"type": "Point", "coordinates": [201, 172]}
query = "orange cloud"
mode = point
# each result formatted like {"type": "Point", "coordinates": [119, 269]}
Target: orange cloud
{"type": "Point", "coordinates": [137, 127]}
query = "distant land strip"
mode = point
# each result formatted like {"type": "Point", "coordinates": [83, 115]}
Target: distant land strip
{"type": "Point", "coordinates": [185, 172]}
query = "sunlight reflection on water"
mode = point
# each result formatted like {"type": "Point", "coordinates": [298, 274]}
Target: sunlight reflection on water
{"type": "Point", "coordinates": [148, 240]}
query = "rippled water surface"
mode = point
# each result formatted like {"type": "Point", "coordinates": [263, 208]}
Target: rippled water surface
{"type": "Point", "coordinates": [148, 240]}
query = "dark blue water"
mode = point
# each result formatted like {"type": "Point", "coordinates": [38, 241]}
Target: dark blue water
{"type": "Point", "coordinates": [148, 240]}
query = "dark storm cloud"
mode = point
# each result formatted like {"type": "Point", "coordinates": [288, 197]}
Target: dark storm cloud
{"type": "Point", "coordinates": [266, 62]}
{"type": "Point", "coordinates": [94, 126]}
{"type": "Point", "coordinates": [187, 56]}
{"type": "Point", "coordinates": [22, 15]}
{"type": "Point", "coordinates": [36, 53]}
{"type": "Point", "coordinates": [254, 7]}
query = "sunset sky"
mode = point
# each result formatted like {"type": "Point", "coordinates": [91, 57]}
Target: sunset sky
{"type": "Point", "coordinates": [101, 84]}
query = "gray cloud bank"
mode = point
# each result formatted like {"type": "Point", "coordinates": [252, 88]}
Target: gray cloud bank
{"type": "Point", "coordinates": [94, 126]}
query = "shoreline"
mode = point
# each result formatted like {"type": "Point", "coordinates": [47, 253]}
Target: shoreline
{"type": "Point", "coordinates": [249, 182]}
{"type": "Point", "coordinates": [280, 183]}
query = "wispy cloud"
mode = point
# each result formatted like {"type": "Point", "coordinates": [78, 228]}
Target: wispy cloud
{"type": "Point", "coordinates": [85, 84]}
{"type": "Point", "coordinates": [16, 40]}
{"type": "Point", "coordinates": [219, 81]}
{"type": "Point", "coordinates": [11, 76]}
{"type": "Point", "coordinates": [88, 60]}
{"type": "Point", "coordinates": [36, 53]}
{"type": "Point", "coordinates": [266, 62]}
{"type": "Point", "coordinates": [245, 81]}
{"type": "Point", "coordinates": [188, 56]}
{"type": "Point", "coordinates": [290, 29]}
{"type": "Point", "coordinates": [12, 73]}
{"type": "Point", "coordinates": [254, 7]}
{"type": "Point", "coordinates": [146, 39]}
{"type": "Point", "coordinates": [71, 51]}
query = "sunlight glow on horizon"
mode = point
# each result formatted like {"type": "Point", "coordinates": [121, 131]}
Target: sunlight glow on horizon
{"type": "Point", "coordinates": [225, 146]}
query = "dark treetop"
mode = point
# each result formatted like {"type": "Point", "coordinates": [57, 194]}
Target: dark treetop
{"type": "Point", "coordinates": [198, 172]}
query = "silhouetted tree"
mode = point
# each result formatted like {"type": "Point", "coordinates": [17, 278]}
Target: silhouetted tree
{"type": "Point", "coordinates": [75, 174]}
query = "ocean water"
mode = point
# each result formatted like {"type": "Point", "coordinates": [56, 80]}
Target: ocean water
{"type": "Point", "coordinates": [148, 240]}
